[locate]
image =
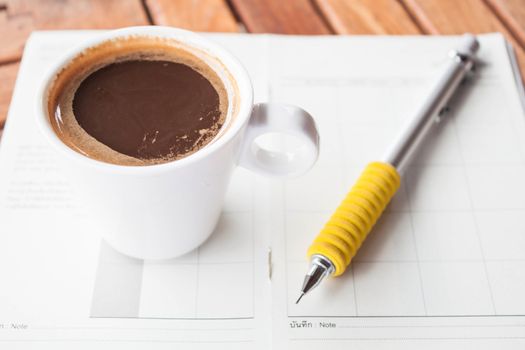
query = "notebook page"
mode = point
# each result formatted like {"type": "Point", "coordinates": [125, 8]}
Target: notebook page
{"type": "Point", "coordinates": [445, 265]}
{"type": "Point", "coordinates": [62, 285]}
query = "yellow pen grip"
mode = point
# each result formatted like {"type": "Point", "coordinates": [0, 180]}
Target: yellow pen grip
{"type": "Point", "coordinates": [348, 227]}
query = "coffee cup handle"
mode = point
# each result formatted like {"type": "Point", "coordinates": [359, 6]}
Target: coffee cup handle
{"type": "Point", "coordinates": [282, 119]}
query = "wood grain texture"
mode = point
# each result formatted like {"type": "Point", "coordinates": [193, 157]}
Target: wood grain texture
{"type": "Point", "coordinates": [512, 13]}
{"type": "Point", "coordinates": [457, 17]}
{"type": "Point", "coordinates": [453, 17]}
{"type": "Point", "coordinates": [198, 15]}
{"type": "Point", "coordinates": [19, 17]}
{"type": "Point", "coordinates": [367, 17]}
{"type": "Point", "coordinates": [280, 16]}
{"type": "Point", "coordinates": [8, 74]}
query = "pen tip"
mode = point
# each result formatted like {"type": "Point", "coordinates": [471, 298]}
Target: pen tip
{"type": "Point", "coordinates": [299, 299]}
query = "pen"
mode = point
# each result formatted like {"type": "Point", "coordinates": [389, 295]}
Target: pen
{"type": "Point", "coordinates": [333, 249]}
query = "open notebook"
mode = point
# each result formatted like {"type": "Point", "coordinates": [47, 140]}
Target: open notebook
{"type": "Point", "coordinates": [444, 267]}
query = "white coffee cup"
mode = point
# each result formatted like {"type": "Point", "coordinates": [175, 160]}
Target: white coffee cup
{"type": "Point", "coordinates": [165, 210]}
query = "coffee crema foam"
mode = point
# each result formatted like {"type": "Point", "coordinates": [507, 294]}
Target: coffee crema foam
{"type": "Point", "coordinates": [134, 48]}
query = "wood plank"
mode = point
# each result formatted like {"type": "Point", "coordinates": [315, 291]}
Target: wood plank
{"type": "Point", "coordinates": [8, 74]}
{"type": "Point", "coordinates": [512, 13]}
{"type": "Point", "coordinates": [198, 15]}
{"type": "Point", "coordinates": [367, 17]}
{"type": "Point", "coordinates": [19, 17]}
{"type": "Point", "coordinates": [280, 16]}
{"type": "Point", "coordinates": [453, 17]}
{"type": "Point", "coordinates": [456, 17]}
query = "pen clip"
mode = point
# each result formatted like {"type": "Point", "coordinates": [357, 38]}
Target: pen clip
{"type": "Point", "coordinates": [466, 59]}
{"type": "Point", "coordinates": [466, 52]}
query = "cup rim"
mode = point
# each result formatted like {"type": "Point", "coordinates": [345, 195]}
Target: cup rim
{"type": "Point", "coordinates": [232, 64]}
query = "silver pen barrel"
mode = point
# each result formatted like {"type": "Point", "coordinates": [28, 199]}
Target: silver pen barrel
{"type": "Point", "coordinates": [462, 61]}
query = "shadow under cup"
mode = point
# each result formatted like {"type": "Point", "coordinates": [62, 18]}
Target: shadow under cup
{"type": "Point", "coordinates": [61, 91]}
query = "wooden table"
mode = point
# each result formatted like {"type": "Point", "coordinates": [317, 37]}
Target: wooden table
{"type": "Point", "coordinates": [19, 17]}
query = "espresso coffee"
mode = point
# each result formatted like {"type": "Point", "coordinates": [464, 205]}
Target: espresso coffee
{"type": "Point", "coordinates": [148, 109]}
{"type": "Point", "coordinates": [150, 103]}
